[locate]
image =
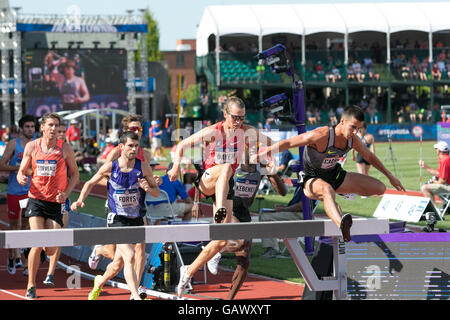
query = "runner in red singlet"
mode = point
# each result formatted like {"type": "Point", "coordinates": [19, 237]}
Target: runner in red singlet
{"type": "Point", "coordinates": [224, 146]}
{"type": "Point", "coordinates": [50, 159]}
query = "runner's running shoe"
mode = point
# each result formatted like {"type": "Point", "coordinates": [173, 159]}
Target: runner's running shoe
{"type": "Point", "coordinates": [94, 258]}
{"type": "Point", "coordinates": [31, 293]}
{"type": "Point", "coordinates": [346, 224]}
{"type": "Point", "coordinates": [220, 215]}
{"type": "Point", "coordinates": [10, 266]}
{"type": "Point", "coordinates": [184, 281]}
{"type": "Point", "coordinates": [19, 263]}
{"type": "Point", "coordinates": [93, 295]}
{"type": "Point", "coordinates": [213, 264]}
{"type": "Point", "coordinates": [49, 280]}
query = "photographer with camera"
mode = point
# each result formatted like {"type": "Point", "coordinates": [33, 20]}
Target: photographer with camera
{"type": "Point", "coordinates": [442, 173]}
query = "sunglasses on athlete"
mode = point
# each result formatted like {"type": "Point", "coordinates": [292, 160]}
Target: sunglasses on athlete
{"type": "Point", "coordinates": [236, 118]}
{"type": "Point", "coordinates": [134, 129]}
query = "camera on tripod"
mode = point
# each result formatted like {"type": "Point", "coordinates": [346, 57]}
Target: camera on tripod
{"type": "Point", "coordinates": [279, 107]}
{"type": "Point", "coordinates": [276, 58]}
{"type": "Point", "coordinates": [430, 217]}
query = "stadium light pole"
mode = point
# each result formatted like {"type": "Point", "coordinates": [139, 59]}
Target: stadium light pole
{"type": "Point", "coordinates": [144, 70]}
{"type": "Point", "coordinates": [131, 69]}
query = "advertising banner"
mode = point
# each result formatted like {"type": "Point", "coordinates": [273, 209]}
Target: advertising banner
{"type": "Point", "coordinates": [403, 207]}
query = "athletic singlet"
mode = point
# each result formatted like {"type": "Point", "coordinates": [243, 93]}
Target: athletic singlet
{"type": "Point", "coordinates": [69, 90]}
{"type": "Point", "coordinates": [316, 162]}
{"type": "Point", "coordinates": [125, 196]}
{"type": "Point", "coordinates": [14, 188]}
{"type": "Point", "coordinates": [49, 172]}
{"type": "Point", "coordinates": [223, 151]}
{"type": "Point", "coordinates": [365, 141]}
{"type": "Point", "coordinates": [245, 187]}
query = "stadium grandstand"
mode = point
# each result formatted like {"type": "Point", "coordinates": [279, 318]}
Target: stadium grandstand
{"type": "Point", "coordinates": [391, 58]}
{"type": "Point", "coordinates": [104, 52]}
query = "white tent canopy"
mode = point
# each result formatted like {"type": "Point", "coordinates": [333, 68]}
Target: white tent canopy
{"type": "Point", "coordinates": [306, 19]}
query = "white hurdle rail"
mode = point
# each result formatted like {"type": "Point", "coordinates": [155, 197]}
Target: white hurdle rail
{"type": "Point", "coordinates": [287, 230]}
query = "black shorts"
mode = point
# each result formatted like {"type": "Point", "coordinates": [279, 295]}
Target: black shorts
{"type": "Point", "coordinates": [360, 159]}
{"type": "Point", "coordinates": [335, 177]}
{"type": "Point", "coordinates": [45, 209]}
{"type": "Point", "coordinates": [242, 215]}
{"type": "Point", "coordinates": [115, 220]}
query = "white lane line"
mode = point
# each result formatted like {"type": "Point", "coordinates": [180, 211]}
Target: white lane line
{"type": "Point", "coordinates": [14, 294]}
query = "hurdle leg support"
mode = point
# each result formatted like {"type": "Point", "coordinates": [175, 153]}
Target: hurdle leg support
{"type": "Point", "coordinates": [337, 283]}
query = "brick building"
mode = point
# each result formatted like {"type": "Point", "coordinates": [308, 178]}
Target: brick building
{"type": "Point", "coordinates": [181, 62]}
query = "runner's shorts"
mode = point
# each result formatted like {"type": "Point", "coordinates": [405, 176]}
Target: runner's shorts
{"type": "Point", "coordinates": [12, 201]}
{"type": "Point", "coordinates": [45, 209]}
{"type": "Point", "coordinates": [115, 220]}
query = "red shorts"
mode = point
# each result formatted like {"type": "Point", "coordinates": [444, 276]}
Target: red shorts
{"type": "Point", "coordinates": [12, 202]}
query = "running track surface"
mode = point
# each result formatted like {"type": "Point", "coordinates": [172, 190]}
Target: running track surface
{"type": "Point", "coordinates": [13, 287]}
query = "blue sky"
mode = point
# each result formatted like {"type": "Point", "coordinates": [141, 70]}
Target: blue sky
{"type": "Point", "coordinates": [177, 19]}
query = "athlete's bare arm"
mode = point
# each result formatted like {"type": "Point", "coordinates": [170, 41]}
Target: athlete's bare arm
{"type": "Point", "coordinates": [361, 148]}
{"type": "Point", "coordinates": [7, 156]}
{"type": "Point", "coordinates": [74, 174]}
{"type": "Point", "coordinates": [22, 178]}
{"type": "Point", "coordinates": [148, 183]}
{"type": "Point", "coordinates": [317, 138]}
{"type": "Point", "coordinates": [103, 173]}
{"type": "Point", "coordinates": [278, 184]}
{"type": "Point", "coordinates": [85, 96]}
{"type": "Point", "coordinates": [203, 136]}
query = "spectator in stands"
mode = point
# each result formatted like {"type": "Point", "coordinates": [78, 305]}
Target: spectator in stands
{"type": "Point", "coordinates": [156, 141]}
{"type": "Point", "coordinates": [412, 112]}
{"type": "Point", "coordinates": [73, 135]}
{"type": "Point", "coordinates": [435, 73]}
{"type": "Point", "coordinates": [373, 113]}
{"type": "Point", "coordinates": [175, 189]}
{"type": "Point", "coordinates": [362, 165]}
{"type": "Point", "coordinates": [286, 156]}
{"type": "Point", "coordinates": [102, 157]}
{"type": "Point", "coordinates": [89, 155]}
{"type": "Point", "coordinates": [310, 116]}
{"type": "Point", "coordinates": [356, 66]}
{"type": "Point", "coordinates": [319, 68]}
{"type": "Point", "coordinates": [332, 117]}
{"type": "Point", "coordinates": [401, 115]}
{"type": "Point", "coordinates": [442, 173]}
{"type": "Point", "coordinates": [329, 75]}
{"type": "Point", "coordinates": [336, 74]}
{"type": "Point", "coordinates": [317, 115]}
{"type": "Point", "coordinates": [423, 69]}
{"type": "Point", "coordinates": [350, 73]}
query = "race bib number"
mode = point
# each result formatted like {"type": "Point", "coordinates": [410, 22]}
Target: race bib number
{"type": "Point", "coordinates": [46, 168]}
{"type": "Point", "coordinates": [68, 98]}
{"type": "Point", "coordinates": [329, 163]}
{"type": "Point", "coordinates": [245, 188]}
{"type": "Point", "coordinates": [127, 198]}
{"type": "Point", "coordinates": [225, 156]}
{"type": "Point", "coordinates": [110, 217]}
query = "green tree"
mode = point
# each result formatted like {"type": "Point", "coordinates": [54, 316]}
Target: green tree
{"type": "Point", "coordinates": [152, 37]}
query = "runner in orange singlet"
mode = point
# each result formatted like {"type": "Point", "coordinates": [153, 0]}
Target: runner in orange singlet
{"type": "Point", "coordinates": [50, 159]}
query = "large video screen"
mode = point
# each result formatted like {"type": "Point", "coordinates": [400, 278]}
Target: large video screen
{"type": "Point", "coordinates": [75, 79]}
